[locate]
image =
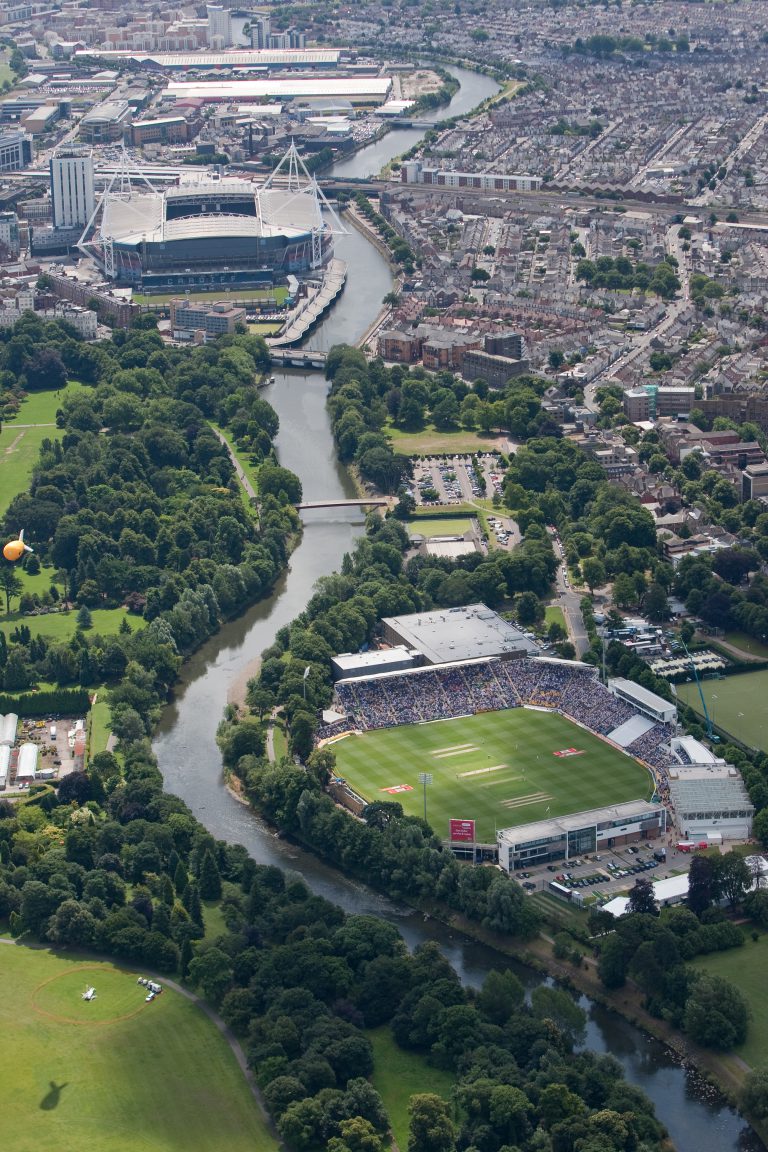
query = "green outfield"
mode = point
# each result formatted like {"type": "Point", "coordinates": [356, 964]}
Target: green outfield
{"type": "Point", "coordinates": [116, 1074]}
{"type": "Point", "coordinates": [497, 768]}
{"type": "Point", "coordinates": [735, 704]}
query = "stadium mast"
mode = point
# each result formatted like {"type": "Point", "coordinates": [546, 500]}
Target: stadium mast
{"type": "Point", "coordinates": [707, 717]}
{"type": "Point", "coordinates": [296, 181]}
{"type": "Point", "coordinates": [124, 190]}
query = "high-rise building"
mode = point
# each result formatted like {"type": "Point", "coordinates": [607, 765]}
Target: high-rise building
{"type": "Point", "coordinates": [260, 31]}
{"type": "Point", "coordinates": [219, 26]}
{"type": "Point", "coordinates": [72, 195]}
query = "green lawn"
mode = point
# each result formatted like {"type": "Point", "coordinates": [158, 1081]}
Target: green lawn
{"type": "Point", "coordinates": [553, 614]}
{"type": "Point", "coordinates": [116, 1074]}
{"type": "Point", "coordinates": [213, 919]}
{"type": "Point", "coordinates": [398, 1075]}
{"type": "Point", "coordinates": [747, 644]}
{"type": "Point", "coordinates": [421, 526]}
{"type": "Point", "coordinates": [19, 450]}
{"type": "Point", "coordinates": [41, 407]}
{"type": "Point", "coordinates": [218, 293]}
{"type": "Point", "coordinates": [100, 721]}
{"type": "Point", "coordinates": [745, 967]}
{"type": "Point", "coordinates": [280, 740]}
{"type": "Point", "coordinates": [497, 768]}
{"type": "Point", "coordinates": [431, 441]}
{"type": "Point", "coordinates": [63, 625]}
{"type": "Point", "coordinates": [735, 704]}
{"type": "Point", "coordinates": [265, 328]}
{"type": "Point", "coordinates": [20, 447]}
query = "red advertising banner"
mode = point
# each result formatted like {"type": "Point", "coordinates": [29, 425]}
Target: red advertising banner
{"type": "Point", "coordinates": [462, 830]}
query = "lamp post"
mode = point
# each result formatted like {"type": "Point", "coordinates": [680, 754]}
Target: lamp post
{"type": "Point", "coordinates": [424, 779]}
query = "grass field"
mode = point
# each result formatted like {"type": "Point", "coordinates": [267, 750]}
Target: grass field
{"type": "Point", "coordinates": [41, 407]}
{"type": "Point", "coordinates": [430, 440]}
{"type": "Point", "coordinates": [265, 328]}
{"type": "Point", "coordinates": [235, 296]}
{"type": "Point", "coordinates": [116, 1074]}
{"type": "Point", "coordinates": [745, 967]}
{"type": "Point", "coordinates": [100, 720]}
{"type": "Point", "coordinates": [553, 614]}
{"type": "Point", "coordinates": [398, 1075]}
{"type": "Point", "coordinates": [62, 625]}
{"type": "Point", "coordinates": [497, 768]}
{"type": "Point", "coordinates": [453, 527]}
{"type": "Point", "coordinates": [242, 458]}
{"type": "Point", "coordinates": [20, 447]}
{"type": "Point", "coordinates": [747, 644]}
{"type": "Point", "coordinates": [735, 704]}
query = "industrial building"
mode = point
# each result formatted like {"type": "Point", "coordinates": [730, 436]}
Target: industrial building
{"type": "Point", "coordinates": [293, 59]}
{"type": "Point", "coordinates": [455, 634]}
{"type": "Point", "coordinates": [73, 198]}
{"type": "Point", "coordinates": [580, 833]}
{"type": "Point", "coordinates": [359, 90]}
{"type": "Point", "coordinates": [8, 725]}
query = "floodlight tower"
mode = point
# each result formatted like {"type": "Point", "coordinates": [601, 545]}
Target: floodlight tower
{"type": "Point", "coordinates": [694, 669]}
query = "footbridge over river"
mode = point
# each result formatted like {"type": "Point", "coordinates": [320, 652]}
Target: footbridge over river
{"type": "Point", "coordinates": [364, 502]}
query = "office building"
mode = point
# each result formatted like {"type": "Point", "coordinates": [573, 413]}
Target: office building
{"type": "Point", "coordinates": [16, 151]}
{"type": "Point", "coordinates": [9, 233]}
{"type": "Point", "coordinates": [219, 26]}
{"type": "Point", "coordinates": [189, 317]}
{"type": "Point", "coordinates": [72, 193]}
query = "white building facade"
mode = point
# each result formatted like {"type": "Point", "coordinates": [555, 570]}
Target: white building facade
{"type": "Point", "coordinates": [72, 191]}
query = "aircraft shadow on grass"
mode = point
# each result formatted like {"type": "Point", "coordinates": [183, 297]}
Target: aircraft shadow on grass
{"type": "Point", "coordinates": [52, 1096]}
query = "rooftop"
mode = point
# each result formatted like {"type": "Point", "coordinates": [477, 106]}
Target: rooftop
{"type": "Point", "coordinates": [460, 634]}
{"type": "Point", "coordinates": [561, 825]}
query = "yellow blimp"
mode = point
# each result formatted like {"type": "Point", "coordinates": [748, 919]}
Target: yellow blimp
{"type": "Point", "coordinates": [15, 549]}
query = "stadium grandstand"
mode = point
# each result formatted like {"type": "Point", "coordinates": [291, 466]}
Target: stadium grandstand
{"type": "Point", "coordinates": [449, 691]}
{"type": "Point", "coordinates": [212, 232]}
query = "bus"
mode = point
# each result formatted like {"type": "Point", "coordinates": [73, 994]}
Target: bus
{"type": "Point", "coordinates": [560, 890]}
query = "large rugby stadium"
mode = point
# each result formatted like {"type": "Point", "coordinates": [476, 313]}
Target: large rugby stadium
{"type": "Point", "coordinates": [212, 231]}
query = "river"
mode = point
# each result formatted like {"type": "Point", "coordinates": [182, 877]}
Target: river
{"type": "Point", "coordinates": [191, 765]}
{"type": "Point", "coordinates": [370, 160]}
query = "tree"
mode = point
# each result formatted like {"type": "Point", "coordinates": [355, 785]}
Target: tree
{"type": "Point", "coordinates": [701, 880]}
{"type": "Point", "coordinates": [716, 1013]}
{"type": "Point", "coordinates": [732, 877]}
{"type": "Point", "coordinates": [84, 618]}
{"type": "Point", "coordinates": [594, 572]}
{"type": "Point", "coordinates": [212, 971]}
{"type": "Point", "coordinates": [10, 584]}
{"type": "Point", "coordinates": [612, 965]}
{"type": "Point", "coordinates": [656, 604]}
{"type": "Point", "coordinates": [210, 880]}
{"type": "Point", "coordinates": [642, 899]}
{"type": "Point", "coordinates": [754, 1096]}
{"type": "Point", "coordinates": [431, 1128]}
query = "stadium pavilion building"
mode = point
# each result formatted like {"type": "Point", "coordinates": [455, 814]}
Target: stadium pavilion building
{"type": "Point", "coordinates": [580, 833]}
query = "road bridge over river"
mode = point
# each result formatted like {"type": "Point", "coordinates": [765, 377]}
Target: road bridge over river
{"type": "Point", "coordinates": [365, 502]}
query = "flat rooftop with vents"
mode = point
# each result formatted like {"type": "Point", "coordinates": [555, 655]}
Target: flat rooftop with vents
{"type": "Point", "coordinates": [466, 633]}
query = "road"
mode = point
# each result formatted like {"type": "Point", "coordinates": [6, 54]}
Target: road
{"type": "Point", "coordinates": [569, 601]}
{"type": "Point", "coordinates": [641, 341]}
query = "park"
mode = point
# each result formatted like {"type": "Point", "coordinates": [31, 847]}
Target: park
{"type": "Point", "coordinates": [114, 1074]}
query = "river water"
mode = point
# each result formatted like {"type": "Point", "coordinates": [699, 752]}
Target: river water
{"type": "Point", "coordinates": [370, 160]}
{"type": "Point", "coordinates": [191, 765]}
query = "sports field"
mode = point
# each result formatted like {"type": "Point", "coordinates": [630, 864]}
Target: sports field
{"type": "Point", "coordinates": [498, 768]}
{"type": "Point", "coordinates": [736, 704]}
{"type": "Point", "coordinates": [116, 1074]}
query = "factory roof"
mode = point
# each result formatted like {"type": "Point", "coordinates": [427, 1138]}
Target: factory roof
{"type": "Point", "coordinates": [248, 58]}
{"type": "Point", "coordinates": [282, 88]}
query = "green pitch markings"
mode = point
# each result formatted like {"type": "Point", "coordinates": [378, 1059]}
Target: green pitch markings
{"type": "Point", "coordinates": [498, 768]}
